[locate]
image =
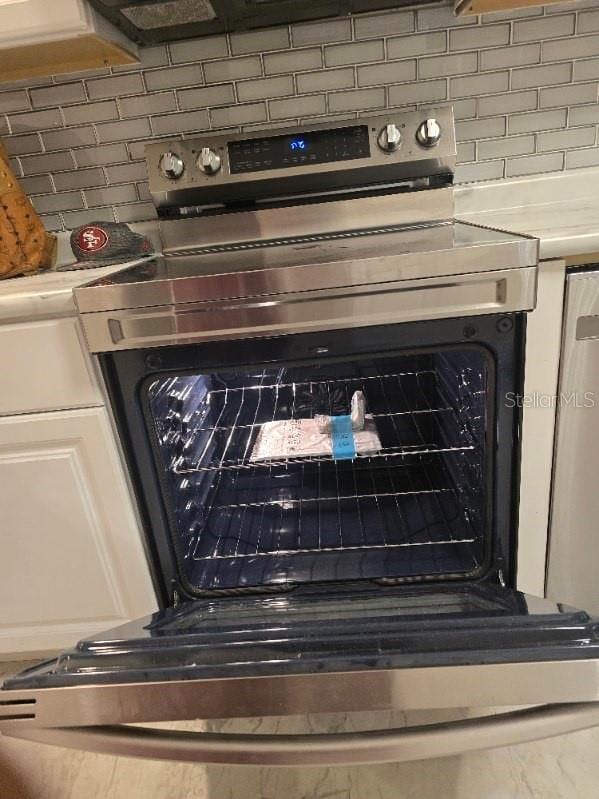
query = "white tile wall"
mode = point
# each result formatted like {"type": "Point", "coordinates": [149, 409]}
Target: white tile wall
{"type": "Point", "coordinates": [524, 86]}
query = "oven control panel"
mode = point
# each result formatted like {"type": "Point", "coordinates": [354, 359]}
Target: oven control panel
{"type": "Point", "coordinates": [215, 169]}
{"type": "Point", "coordinates": [312, 147]}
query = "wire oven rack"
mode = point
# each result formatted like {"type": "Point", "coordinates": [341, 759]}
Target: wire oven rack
{"type": "Point", "coordinates": [420, 507]}
{"type": "Point", "coordinates": [418, 526]}
{"type": "Point", "coordinates": [230, 418]}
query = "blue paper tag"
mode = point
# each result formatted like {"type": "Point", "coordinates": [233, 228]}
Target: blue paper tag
{"type": "Point", "coordinates": [342, 435]}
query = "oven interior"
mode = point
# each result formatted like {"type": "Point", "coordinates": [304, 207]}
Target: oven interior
{"type": "Point", "coordinates": [414, 508]}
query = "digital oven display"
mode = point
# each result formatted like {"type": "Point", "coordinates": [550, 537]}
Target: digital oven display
{"type": "Point", "coordinates": [298, 144]}
{"type": "Point", "coordinates": [315, 147]}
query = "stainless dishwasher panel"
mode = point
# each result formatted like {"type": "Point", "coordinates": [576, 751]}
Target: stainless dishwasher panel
{"type": "Point", "coordinates": [574, 529]}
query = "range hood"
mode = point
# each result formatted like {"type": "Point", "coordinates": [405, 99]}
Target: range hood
{"type": "Point", "coordinates": [155, 21]}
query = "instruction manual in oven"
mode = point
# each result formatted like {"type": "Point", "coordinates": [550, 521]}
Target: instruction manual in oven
{"type": "Point", "coordinates": [333, 436]}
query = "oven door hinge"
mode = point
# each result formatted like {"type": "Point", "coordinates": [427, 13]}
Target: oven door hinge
{"type": "Point", "coordinates": [497, 575]}
{"type": "Point", "coordinates": [500, 571]}
{"type": "Point", "coordinates": [175, 595]}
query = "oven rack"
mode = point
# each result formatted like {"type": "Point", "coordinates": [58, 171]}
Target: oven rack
{"type": "Point", "coordinates": [291, 503]}
{"type": "Point", "coordinates": [419, 508]}
{"type": "Point", "coordinates": [385, 546]}
{"type": "Point", "coordinates": [221, 431]}
{"type": "Point", "coordinates": [409, 536]}
{"type": "Point", "coordinates": [255, 426]}
{"type": "Point", "coordinates": [382, 456]}
{"type": "Point", "coordinates": [336, 381]}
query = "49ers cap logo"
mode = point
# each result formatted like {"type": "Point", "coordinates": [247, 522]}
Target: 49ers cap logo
{"type": "Point", "coordinates": [102, 242]}
{"type": "Point", "coordinates": [92, 239]}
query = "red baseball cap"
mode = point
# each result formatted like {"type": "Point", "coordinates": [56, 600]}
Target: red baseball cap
{"type": "Point", "coordinates": [104, 243]}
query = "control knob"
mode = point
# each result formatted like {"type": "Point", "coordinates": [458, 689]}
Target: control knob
{"type": "Point", "coordinates": [428, 133]}
{"type": "Point", "coordinates": [171, 165]}
{"type": "Point", "coordinates": [389, 138]}
{"type": "Point", "coordinates": [208, 161]}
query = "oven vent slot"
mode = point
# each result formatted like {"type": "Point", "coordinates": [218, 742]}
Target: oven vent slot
{"type": "Point", "coordinates": [17, 709]}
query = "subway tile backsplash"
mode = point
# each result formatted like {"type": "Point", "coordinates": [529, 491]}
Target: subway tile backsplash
{"type": "Point", "coordinates": [524, 86]}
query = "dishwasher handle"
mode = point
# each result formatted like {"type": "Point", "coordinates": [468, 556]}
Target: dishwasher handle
{"type": "Point", "coordinates": [587, 327]}
{"type": "Point", "coordinates": [372, 746]}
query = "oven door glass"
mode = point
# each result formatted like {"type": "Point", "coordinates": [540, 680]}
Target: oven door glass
{"type": "Point", "coordinates": [474, 644]}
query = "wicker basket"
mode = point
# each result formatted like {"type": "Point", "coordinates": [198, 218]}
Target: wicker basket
{"type": "Point", "coordinates": [25, 247]}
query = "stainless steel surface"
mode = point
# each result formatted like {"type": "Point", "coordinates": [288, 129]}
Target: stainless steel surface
{"type": "Point", "coordinates": [323, 263]}
{"type": "Point", "coordinates": [208, 161]}
{"type": "Point", "coordinates": [429, 133]}
{"type": "Point", "coordinates": [389, 138]}
{"type": "Point", "coordinates": [313, 219]}
{"type": "Point", "coordinates": [574, 531]}
{"type": "Point", "coordinates": [171, 166]}
{"type": "Point", "coordinates": [492, 685]}
{"type": "Point", "coordinates": [246, 274]}
{"type": "Point", "coordinates": [410, 161]}
{"type": "Point", "coordinates": [369, 746]}
{"type": "Point", "coordinates": [329, 309]}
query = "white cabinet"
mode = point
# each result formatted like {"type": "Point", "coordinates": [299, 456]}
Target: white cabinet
{"type": "Point", "coordinates": [44, 367]}
{"type": "Point", "coordinates": [71, 558]}
{"type": "Point", "coordinates": [38, 37]}
{"type": "Point", "coordinates": [26, 21]}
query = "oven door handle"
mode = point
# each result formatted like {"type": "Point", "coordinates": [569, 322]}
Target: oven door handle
{"type": "Point", "coordinates": [372, 746]}
{"type": "Point", "coordinates": [288, 310]}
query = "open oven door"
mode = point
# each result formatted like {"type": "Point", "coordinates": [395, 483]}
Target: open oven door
{"type": "Point", "coordinates": [311, 651]}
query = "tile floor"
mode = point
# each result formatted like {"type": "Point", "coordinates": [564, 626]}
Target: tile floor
{"type": "Point", "coordinates": [559, 768]}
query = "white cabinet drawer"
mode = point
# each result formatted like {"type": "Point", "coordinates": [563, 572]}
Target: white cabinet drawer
{"type": "Point", "coordinates": [44, 367]}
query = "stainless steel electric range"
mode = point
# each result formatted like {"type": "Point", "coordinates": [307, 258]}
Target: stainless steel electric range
{"type": "Point", "coordinates": [311, 388]}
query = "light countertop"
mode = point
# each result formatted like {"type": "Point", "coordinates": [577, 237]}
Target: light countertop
{"type": "Point", "coordinates": [50, 294]}
{"type": "Point", "coordinates": [561, 209]}
{"type": "Point", "coordinates": [45, 294]}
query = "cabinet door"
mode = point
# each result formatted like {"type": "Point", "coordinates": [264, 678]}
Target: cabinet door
{"type": "Point", "coordinates": [72, 558]}
{"type": "Point", "coordinates": [25, 21]}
